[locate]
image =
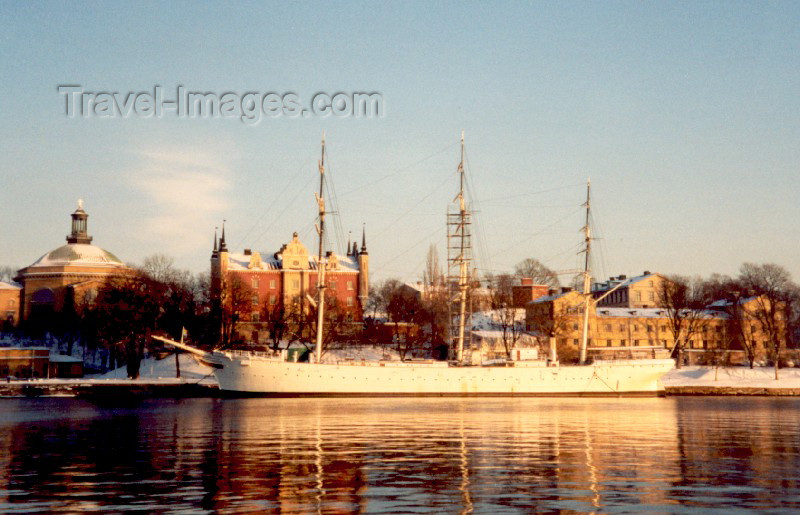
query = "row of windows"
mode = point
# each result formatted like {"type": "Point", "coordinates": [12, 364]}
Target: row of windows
{"type": "Point", "coordinates": [255, 300]}
{"type": "Point", "coordinates": [637, 296]}
{"type": "Point", "coordinates": [618, 343]}
{"type": "Point", "coordinates": [296, 284]}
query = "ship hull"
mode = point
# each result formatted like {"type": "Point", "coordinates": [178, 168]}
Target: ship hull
{"type": "Point", "coordinates": [256, 377]}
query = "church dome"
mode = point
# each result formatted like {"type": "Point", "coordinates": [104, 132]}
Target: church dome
{"type": "Point", "coordinates": [79, 254]}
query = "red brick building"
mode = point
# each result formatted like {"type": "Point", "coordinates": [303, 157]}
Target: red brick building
{"type": "Point", "coordinates": [287, 279]}
{"type": "Point", "coordinates": [527, 291]}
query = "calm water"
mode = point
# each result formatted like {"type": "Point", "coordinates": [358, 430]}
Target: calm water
{"type": "Point", "coordinates": [402, 455]}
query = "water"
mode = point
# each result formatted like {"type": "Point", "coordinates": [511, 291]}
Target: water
{"type": "Point", "coordinates": [402, 455]}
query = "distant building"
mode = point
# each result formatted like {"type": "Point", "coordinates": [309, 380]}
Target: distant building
{"type": "Point", "coordinates": [625, 332]}
{"type": "Point", "coordinates": [72, 273]}
{"type": "Point", "coordinates": [636, 292]}
{"type": "Point", "coordinates": [37, 362]}
{"type": "Point", "coordinates": [286, 279]}
{"type": "Point", "coordinates": [10, 300]}
{"type": "Point", "coordinates": [527, 291]}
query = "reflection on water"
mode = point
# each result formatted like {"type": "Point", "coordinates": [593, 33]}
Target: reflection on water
{"type": "Point", "coordinates": [401, 455]}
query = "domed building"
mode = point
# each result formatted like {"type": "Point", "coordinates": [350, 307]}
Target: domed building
{"type": "Point", "coordinates": [72, 273]}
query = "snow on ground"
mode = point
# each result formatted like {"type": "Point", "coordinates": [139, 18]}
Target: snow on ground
{"type": "Point", "coordinates": [742, 377]}
{"type": "Point", "coordinates": [153, 369]}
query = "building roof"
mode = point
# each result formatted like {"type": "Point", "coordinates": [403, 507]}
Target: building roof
{"type": "Point", "coordinates": [78, 254]}
{"type": "Point", "coordinates": [646, 313]}
{"type": "Point", "coordinates": [613, 282]}
{"type": "Point", "coordinates": [551, 298]}
{"type": "Point", "coordinates": [9, 286]}
{"type": "Point", "coordinates": [269, 261]}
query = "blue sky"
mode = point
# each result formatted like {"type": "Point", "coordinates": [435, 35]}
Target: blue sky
{"type": "Point", "coordinates": [685, 115]}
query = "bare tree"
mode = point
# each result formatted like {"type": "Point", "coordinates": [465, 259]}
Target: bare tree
{"type": "Point", "coordinates": [774, 292]}
{"type": "Point", "coordinates": [501, 287]}
{"type": "Point", "coordinates": [7, 273]}
{"type": "Point", "coordinates": [683, 302]}
{"type": "Point", "coordinates": [432, 277]}
{"type": "Point", "coordinates": [534, 269]}
{"type": "Point", "coordinates": [235, 301]}
{"type": "Point", "coordinates": [550, 319]}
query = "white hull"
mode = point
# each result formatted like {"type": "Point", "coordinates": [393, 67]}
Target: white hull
{"type": "Point", "coordinates": [253, 375]}
{"type": "Point", "coordinates": [259, 374]}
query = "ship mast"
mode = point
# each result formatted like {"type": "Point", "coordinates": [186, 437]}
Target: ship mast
{"type": "Point", "coordinates": [587, 277]}
{"type": "Point", "coordinates": [459, 248]}
{"type": "Point", "coordinates": [321, 265]}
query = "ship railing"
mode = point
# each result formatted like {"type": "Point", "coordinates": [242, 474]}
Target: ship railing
{"type": "Point", "coordinates": [279, 355]}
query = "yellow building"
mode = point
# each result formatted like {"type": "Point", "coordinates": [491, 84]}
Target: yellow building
{"type": "Point", "coordinates": [630, 332]}
{"type": "Point", "coordinates": [634, 292]}
{"type": "Point", "coordinates": [10, 298]}
{"type": "Point", "coordinates": [71, 273]}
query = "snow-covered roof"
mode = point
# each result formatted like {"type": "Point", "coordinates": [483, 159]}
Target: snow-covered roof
{"type": "Point", "coordinates": [61, 358]}
{"type": "Point", "coordinates": [9, 286]}
{"type": "Point", "coordinates": [550, 298]}
{"type": "Point", "coordinates": [78, 254]}
{"type": "Point", "coordinates": [646, 313]}
{"type": "Point", "coordinates": [612, 283]}
{"type": "Point", "coordinates": [241, 261]}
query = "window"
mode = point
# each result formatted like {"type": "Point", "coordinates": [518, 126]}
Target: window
{"type": "Point", "coordinates": [575, 341]}
{"type": "Point", "coordinates": [664, 343]}
{"type": "Point", "coordinates": [272, 300]}
{"type": "Point", "coordinates": [663, 329]}
{"type": "Point", "coordinates": [649, 328]}
{"type": "Point", "coordinates": [254, 282]}
{"type": "Point", "coordinates": [621, 328]}
{"type": "Point", "coordinates": [608, 328]}
{"type": "Point", "coordinates": [350, 285]}
{"type": "Point", "coordinates": [272, 283]}
{"type": "Point", "coordinates": [296, 284]}
{"type": "Point", "coordinates": [691, 344]}
{"type": "Point", "coordinates": [349, 301]}
{"type": "Point", "coordinates": [651, 296]}
{"type": "Point", "coordinates": [332, 285]}
{"type": "Point", "coordinates": [635, 328]}
{"type": "Point", "coordinates": [254, 300]}
{"type": "Point", "coordinates": [635, 343]}
{"type": "Point", "coordinates": [623, 342]}
{"type": "Point", "coordinates": [575, 326]}
{"type": "Point", "coordinates": [255, 317]}
{"type": "Point", "coordinates": [608, 343]}
{"type": "Point", "coordinates": [11, 303]}
{"type": "Point", "coordinates": [637, 295]}
{"type": "Point", "coordinates": [650, 283]}
{"type": "Point", "coordinates": [705, 344]}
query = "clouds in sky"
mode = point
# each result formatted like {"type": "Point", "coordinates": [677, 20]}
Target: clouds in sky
{"type": "Point", "coordinates": [184, 193]}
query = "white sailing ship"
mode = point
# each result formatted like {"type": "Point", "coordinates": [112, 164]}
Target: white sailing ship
{"type": "Point", "coordinates": [266, 373]}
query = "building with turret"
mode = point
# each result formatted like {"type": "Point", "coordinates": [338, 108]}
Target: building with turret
{"type": "Point", "coordinates": [70, 274]}
{"type": "Point", "coordinates": [286, 281]}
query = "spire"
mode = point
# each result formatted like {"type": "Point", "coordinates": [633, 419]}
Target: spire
{"type": "Point", "coordinates": [79, 232]}
{"type": "Point", "coordinates": [355, 248]}
{"type": "Point", "coordinates": [364, 239]}
{"type": "Point", "coordinates": [349, 237]}
{"type": "Point", "coordinates": [222, 246]}
{"type": "Point", "coordinates": [215, 252]}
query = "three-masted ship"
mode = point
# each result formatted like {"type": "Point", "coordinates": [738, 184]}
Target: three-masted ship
{"type": "Point", "coordinates": [274, 374]}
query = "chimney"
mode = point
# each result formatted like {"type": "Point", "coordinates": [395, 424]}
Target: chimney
{"type": "Point", "coordinates": [527, 281]}
{"type": "Point", "coordinates": [623, 277]}
{"type": "Point", "coordinates": [247, 252]}
{"type": "Point", "coordinates": [566, 289]}
{"type": "Point", "coordinates": [646, 272]}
